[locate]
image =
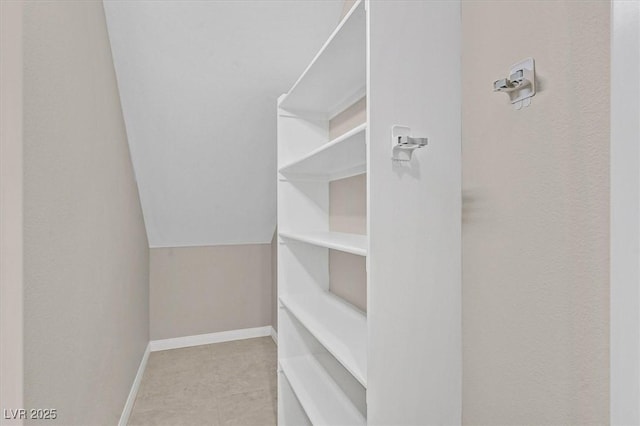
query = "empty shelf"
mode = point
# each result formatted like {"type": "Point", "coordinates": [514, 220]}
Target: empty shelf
{"type": "Point", "coordinates": [349, 243]}
{"type": "Point", "coordinates": [338, 326]}
{"type": "Point", "coordinates": [342, 157]}
{"type": "Point", "coordinates": [322, 399]}
{"type": "Point", "coordinates": [336, 77]}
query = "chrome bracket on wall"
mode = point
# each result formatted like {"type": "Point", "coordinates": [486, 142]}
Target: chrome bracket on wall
{"type": "Point", "coordinates": [402, 144]}
{"type": "Point", "coordinates": [521, 83]}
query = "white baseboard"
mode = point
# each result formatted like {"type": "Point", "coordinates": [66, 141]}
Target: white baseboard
{"type": "Point", "coordinates": [206, 339]}
{"type": "Point", "coordinates": [274, 335]}
{"type": "Point", "coordinates": [131, 399]}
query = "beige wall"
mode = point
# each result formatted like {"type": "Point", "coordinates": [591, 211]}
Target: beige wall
{"type": "Point", "coordinates": [346, 7]}
{"type": "Point", "coordinates": [11, 241]}
{"type": "Point", "coordinates": [348, 213]}
{"type": "Point", "coordinates": [348, 277]}
{"type": "Point", "coordinates": [274, 280]}
{"type": "Point", "coordinates": [85, 247]}
{"type": "Point", "coordinates": [199, 290]}
{"type": "Point", "coordinates": [348, 205]}
{"type": "Point", "coordinates": [535, 216]}
{"type": "Point", "coordinates": [351, 117]}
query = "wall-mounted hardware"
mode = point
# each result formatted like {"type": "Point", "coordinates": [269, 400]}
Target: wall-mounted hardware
{"type": "Point", "coordinates": [402, 144]}
{"type": "Point", "coordinates": [521, 83]}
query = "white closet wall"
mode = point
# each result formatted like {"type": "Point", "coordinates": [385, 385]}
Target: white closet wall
{"type": "Point", "coordinates": [414, 343]}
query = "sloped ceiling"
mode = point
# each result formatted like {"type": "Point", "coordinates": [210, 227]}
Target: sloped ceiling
{"type": "Point", "coordinates": [198, 82]}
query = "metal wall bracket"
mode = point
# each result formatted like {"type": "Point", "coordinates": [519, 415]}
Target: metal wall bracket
{"type": "Point", "coordinates": [520, 85]}
{"type": "Point", "coordinates": [402, 144]}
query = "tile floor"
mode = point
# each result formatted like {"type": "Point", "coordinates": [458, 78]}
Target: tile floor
{"type": "Point", "coordinates": [231, 383]}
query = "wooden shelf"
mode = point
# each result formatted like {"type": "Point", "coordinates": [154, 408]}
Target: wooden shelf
{"type": "Point", "coordinates": [338, 326]}
{"type": "Point", "coordinates": [342, 157]}
{"type": "Point", "coordinates": [336, 77]}
{"type": "Point", "coordinates": [349, 243]}
{"type": "Point", "coordinates": [321, 398]}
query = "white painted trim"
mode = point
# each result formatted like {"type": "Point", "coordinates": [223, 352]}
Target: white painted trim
{"type": "Point", "coordinates": [131, 399]}
{"type": "Point", "coordinates": [625, 211]}
{"type": "Point", "coordinates": [160, 246]}
{"type": "Point", "coordinates": [206, 339]}
{"type": "Point", "coordinates": [274, 335]}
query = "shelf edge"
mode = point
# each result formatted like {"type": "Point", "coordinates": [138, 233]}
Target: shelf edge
{"type": "Point", "coordinates": [286, 370]}
{"type": "Point", "coordinates": [340, 139]}
{"type": "Point", "coordinates": [282, 102]}
{"type": "Point", "coordinates": [320, 243]}
{"type": "Point", "coordinates": [360, 377]}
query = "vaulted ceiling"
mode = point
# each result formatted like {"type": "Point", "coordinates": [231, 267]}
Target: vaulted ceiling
{"type": "Point", "coordinates": [198, 82]}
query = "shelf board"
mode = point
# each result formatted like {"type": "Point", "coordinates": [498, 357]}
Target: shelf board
{"type": "Point", "coordinates": [338, 326]}
{"type": "Point", "coordinates": [321, 398]}
{"type": "Point", "coordinates": [336, 77]}
{"type": "Point", "coordinates": [342, 157]}
{"type": "Point", "coordinates": [349, 243]}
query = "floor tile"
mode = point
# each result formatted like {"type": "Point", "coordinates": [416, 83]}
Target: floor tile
{"type": "Point", "coordinates": [162, 417]}
{"type": "Point", "coordinates": [231, 383]}
{"type": "Point", "coordinates": [255, 408]}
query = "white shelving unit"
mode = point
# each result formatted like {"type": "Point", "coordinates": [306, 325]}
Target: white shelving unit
{"type": "Point", "coordinates": [340, 328]}
{"type": "Point", "coordinates": [400, 361]}
{"type": "Point", "coordinates": [345, 156]}
{"type": "Point", "coordinates": [322, 399]}
{"type": "Point", "coordinates": [322, 339]}
{"type": "Point", "coordinates": [336, 78]}
{"type": "Point", "coordinates": [348, 243]}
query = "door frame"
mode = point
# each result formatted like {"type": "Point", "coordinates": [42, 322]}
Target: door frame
{"type": "Point", "coordinates": [625, 214]}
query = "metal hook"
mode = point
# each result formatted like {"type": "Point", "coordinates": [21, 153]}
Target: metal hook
{"type": "Point", "coordinates": [514, 82]}
{"type": "Point", "coordinates": [520, 85]}
{"type": "Point", "coordinates": [403, 145]}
